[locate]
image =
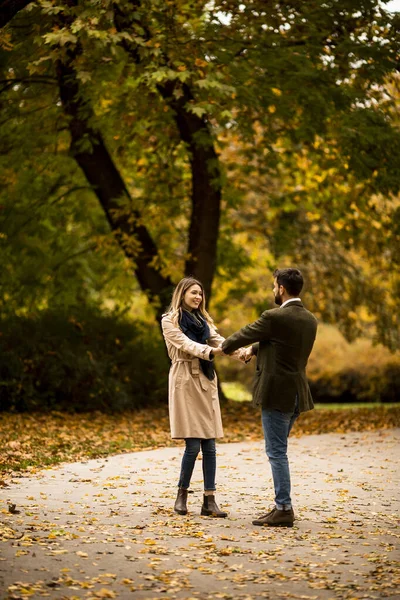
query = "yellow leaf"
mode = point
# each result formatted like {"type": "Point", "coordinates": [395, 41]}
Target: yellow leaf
{"type": "Point", "coordinates": [199, 534]}
{"type": "Point", "coordinates": [339, 225]}
{"type": "Point", "coordinates": [105, 102]}
{"type": "Point", "coordinates": [150, 542]}
{"type": "Point", "coordinates": [199, 62]}
{"type": "Point", "coordinates": [104, 593]}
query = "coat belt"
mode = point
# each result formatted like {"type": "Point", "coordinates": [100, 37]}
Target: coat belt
{"type": "Point", "coordinates": [195, 365]}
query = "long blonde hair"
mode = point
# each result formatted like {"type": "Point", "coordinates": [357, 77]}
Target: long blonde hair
{"type": "Point", "coordinates": [175, 308]}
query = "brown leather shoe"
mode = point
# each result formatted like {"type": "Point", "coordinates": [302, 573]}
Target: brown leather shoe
{"type": "Point", "coordinates": [276, 518]}
{"type": "Point", "coordinates": [181, 502]}
{"type": "Point", "coordinates": [210, 508]}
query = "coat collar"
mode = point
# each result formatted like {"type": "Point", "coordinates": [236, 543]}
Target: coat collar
{"type": "Point", "coordinates": [294, 303]}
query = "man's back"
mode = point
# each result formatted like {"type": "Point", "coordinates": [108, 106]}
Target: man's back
{"type": "Point", "coordinates": [293, 330]}
{"type": "Point", "coordinates": [283, 339]}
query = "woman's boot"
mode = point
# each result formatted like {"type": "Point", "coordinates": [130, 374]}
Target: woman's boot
{"type": "Point", "coordinates": [210, 508]}
{"type": "Point", "coordinates": [181, 502]}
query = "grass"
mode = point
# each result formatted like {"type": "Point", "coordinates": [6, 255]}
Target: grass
{"type": "Point", "coordinates": [234, 390]}
{"type": "Point", "coordinates": [239, 393]}
{"type": "Point", "coordinates": [350, 405]}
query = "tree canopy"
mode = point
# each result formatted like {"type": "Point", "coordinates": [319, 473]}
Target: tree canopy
{"type": "Point", "coordinates": [218, 139]}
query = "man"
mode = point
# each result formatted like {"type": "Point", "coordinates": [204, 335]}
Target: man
{"type": "Point", "coordinates": [282, 340]}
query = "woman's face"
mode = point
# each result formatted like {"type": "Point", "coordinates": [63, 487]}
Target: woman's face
{"type": "Point", "coordinates": [192, 297]}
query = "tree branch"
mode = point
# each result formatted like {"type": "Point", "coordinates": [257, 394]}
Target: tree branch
{"type": "Point", "coordinates": [74, 255]}
{"type": "Point", "coordinates": [90, 152]}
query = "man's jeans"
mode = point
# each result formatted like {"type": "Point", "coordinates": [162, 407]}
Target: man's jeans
{"type": "Point", "coordinates": [277, 426]}
{"type": "Point", "coordinates": [209, 462]}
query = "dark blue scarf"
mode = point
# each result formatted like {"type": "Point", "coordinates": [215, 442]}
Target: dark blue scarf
{"type": "Point", "coordinates": [196, 329]}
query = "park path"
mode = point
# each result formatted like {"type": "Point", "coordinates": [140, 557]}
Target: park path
{"type": "Point", "coordinates": [105, 528]}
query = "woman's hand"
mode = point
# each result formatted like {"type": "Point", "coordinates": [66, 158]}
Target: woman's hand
{"type": "Point", "coordinates": [248, 354]}
{"type": "Point", "coordinates": [217, 351]}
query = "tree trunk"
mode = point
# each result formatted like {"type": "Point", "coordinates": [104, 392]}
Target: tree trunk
{"type": "Point", "coordinates": [9, 8]}
{"type": "Point", "coordinates": [206, 187]}
{"type": "Point", "coordinates": [195, 131]}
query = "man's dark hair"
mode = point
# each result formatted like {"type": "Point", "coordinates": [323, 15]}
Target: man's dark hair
{"type": "Point", "coordinates": [291, 279]}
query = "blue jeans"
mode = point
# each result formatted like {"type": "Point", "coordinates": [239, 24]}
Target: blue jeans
{"type": "Point", "coordinates": [277, 426]}
{"type": "Point", "coordinates": [209, 462]}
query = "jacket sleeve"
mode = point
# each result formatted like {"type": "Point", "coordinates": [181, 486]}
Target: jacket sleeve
{"type": "Point", "coordinates": [255, 348]}
{"type": "Point", "coordinates": [175, 336]}
{"type": "Point", "coordinates": [258, 331]}
{"type": "Point", "coordinates": [215, 340]}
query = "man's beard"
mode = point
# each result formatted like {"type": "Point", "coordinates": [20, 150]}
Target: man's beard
{"type": "Point", "coordinates": [278, 300]}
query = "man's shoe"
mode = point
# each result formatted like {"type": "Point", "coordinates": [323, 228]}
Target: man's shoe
{"type": "Point", "coordinates": [276, 518]}
{"type": "Point", "coordinates": [210, 508]}
{"type": "Point", "coordinates": [181, 502]}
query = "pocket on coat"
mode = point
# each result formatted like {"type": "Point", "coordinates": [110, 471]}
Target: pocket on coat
{"type": "Point", "coordinates": [178, 382]}
{"type": "Point", "coordinates": [204, 384]}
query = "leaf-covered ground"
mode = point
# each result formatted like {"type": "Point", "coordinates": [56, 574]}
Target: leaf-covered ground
{"type": "Point", "coordinates": [31, 441]}
{"type": "Point", "coordinates": [106, 528]}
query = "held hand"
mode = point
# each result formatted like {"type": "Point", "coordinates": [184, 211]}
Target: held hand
{"type": "Point", "coordinates": [248, 354]}
{"type": "Point", "coordinates": [217, 351]}
{"type": "Point", "coordinates": [245, 355]}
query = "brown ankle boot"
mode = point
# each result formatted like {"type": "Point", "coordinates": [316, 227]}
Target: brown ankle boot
{"type": "Point", "coordinates": [181, 502]}
{"type": "Point", "coordinates": [276, 518]}
{"type": "Point", "coordinates": [210, 508]}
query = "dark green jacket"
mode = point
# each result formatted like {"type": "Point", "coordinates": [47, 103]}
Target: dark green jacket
{"type": "Point", "coordinates": [285, 337]}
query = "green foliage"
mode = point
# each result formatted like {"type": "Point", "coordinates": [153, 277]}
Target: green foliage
{"type": "Point", "coordinates": [312, 213]}
{"type": "Point", "coordinates": [301, 102]}
{"type": "Point", "coordinates": [80, 360]}
{"type": "Point", "coordinates": [350, 385]}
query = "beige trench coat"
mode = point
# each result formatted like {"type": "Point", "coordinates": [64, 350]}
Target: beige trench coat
{"type": "Point", "coordinates": [194, 410]}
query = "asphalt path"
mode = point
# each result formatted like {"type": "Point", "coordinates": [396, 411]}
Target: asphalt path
{"type": "Point", "coordinates": [106, 528]}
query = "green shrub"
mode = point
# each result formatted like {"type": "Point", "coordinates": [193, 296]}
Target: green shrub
{"type": "Point", "coordinates": [80, 361]}
{"type": "Point", "coordinates": [357, 372]}
{"type": "Point", "coordinates": [350, 385]}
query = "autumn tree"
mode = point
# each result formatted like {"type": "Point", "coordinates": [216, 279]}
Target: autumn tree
{"type": "Point", "coordinates": [138, 105]}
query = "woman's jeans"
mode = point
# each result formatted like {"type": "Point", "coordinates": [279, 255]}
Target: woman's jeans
{"type": "Point", "coordinates": [189, 458]}
{"type": "Point", "coordinates": [277, 426]}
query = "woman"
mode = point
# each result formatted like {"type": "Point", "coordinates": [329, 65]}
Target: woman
{"type": "Point", "coordinates": [192, 343]}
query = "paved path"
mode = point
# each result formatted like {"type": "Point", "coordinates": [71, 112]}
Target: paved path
{"type": "Point", "coordinates": [106, 529]}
